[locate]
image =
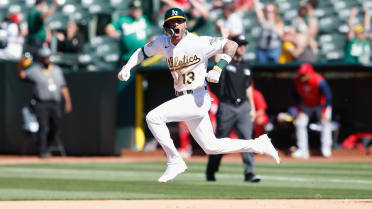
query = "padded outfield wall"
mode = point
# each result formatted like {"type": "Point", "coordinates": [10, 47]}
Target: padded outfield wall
{"type": "Point", "coordinates": [88, 130]}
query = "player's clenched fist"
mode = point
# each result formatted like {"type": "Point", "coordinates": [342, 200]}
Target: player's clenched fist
{"type": "Point", "coordinates": [124, 74]}
{"type": "Point", "coordinates": [214, 75]}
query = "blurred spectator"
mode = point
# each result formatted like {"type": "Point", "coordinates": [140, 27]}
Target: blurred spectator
{"type": "Point", "coordinates": [300, 49]}
{"type": "Point", "coordinates": [132, 30]}
{"type": "Point", "coordinates": [312, 95]}
{"type": "Point", "coordinates": [72, 41]}
{"type": "Point", "coordinates": [240, 5]}
{"type": "Point", "coordinates": [167, 4]}
{"type": "Point", "coordinates": [307, 15]}
{"type": "Point", "coordinates": [197, 18]}
{"type": "Point", "coordinates": [243, 5]}
{"type": "Point", "coordinates": [48, 86]}
{"type": "Point", "coordinates": [287, 45]}
{"type": "Point", "coordinates": [37, 33]}
{"type": "Point", "coordinates": [14, 37]}
{"type": "Point", "coordinates": [272, 28]}
{"type": "Point", "coordinates": [231, 25]}
{"type": "Point", "coordinates": [357, 47]}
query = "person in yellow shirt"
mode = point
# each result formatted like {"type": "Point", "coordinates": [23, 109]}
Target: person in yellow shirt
{"type": "Point", "coordinates": [287, 45]}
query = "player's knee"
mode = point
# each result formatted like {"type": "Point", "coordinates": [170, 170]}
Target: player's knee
{"type": "Point", "coordinates": [152, 117]}
{"type": "Point", "coordinates": [211, 149]}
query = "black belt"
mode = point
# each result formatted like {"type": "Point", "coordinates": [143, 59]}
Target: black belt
{"type": "Point", "coordinates": [180, 93]}
{"type": "Point", "coordinates": [34, 100]}
{"type": "Point", "coordinates": [237, 101]}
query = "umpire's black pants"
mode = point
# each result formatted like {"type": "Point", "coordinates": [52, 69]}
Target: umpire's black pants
{"type": "Point", "coordinates": [49, 116]}
{"type": "Point", "coordinates": [228, 117]}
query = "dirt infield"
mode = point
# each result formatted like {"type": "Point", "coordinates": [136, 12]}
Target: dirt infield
{"type": "Point", "coordinates": [158, 155]}
{"type": "Point", "coordinates": [190, 204]}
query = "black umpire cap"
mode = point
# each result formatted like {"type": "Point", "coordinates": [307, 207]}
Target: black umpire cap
{"type": "Point", "coordinates": [240, 40]}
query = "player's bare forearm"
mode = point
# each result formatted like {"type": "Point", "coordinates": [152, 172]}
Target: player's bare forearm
{"type": "Point", "coordinates": [230, 48]}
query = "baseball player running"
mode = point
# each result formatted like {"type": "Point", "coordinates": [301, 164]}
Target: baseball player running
{"type": "Point", "coordinates": [187, 58]}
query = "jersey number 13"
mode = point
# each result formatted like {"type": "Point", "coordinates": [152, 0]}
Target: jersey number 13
{"type": "Point", "coordinates": [188, 78]}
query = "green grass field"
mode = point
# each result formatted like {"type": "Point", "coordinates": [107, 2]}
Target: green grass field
{"type": "Point", "coordinates": [83, 181]}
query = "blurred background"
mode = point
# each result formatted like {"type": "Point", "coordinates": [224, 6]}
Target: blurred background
{"type": "Point", "coordinates": [108, 115]}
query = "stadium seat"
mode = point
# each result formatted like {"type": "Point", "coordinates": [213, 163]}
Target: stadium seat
{"type": "Point", "coordinates": [57, 21]}
{"type": "Point", "coordinates": [289, 16]}
{"type": "Point", "coordinates": [107, 47]}
{"type": "Point", "coordinates": [332, 46]}
{"type": "Point", "coordinates": [101, 8]}
{"type": "Point", "coordinates": [250, 23]}
{"type": "Point", "coordinates": [328, 24]}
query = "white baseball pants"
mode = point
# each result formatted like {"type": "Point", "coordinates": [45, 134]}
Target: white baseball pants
{"type": "Point", "coordinates": [193, 109]}
{"type": "Point", "coordinates": [301, 128]}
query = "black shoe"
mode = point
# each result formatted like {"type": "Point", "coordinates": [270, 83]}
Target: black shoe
{"type": "Point", "coordinates": [210, 176]}
{"type": "Point", "coordinates": [251, 178]}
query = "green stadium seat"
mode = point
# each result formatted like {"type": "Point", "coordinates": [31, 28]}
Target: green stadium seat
{"type": "Point", "coordinates": [106, 48]}
{"type": "Point", "coordinates": [57, 21]}
{"type": "Point", "coordinates": [322, 12]}
{"type": "Point", "coordinates": [343, 4]}
{"type": "Point", "coordinates": [328, 24]}
{"type": "Point", "coordinates": [65, 60]}
{"type": "Point", "coordinates": [87, 58]}
{"type": "Point", "coordinates": [250, 23]}
{"type": "Point", "coordinates": [81, 16]}
{"type": "Point", "coordinates": [101, 8]}
{"type": "Point", "coordinates": [289, 16]}
{"type": "Point", "coordinates": [288, 5]}
{"type": "Point", "coordinates": [112, 57]}
{"type": "Point", "coordinates": [335, 55]}
{"type": "Point", "coordinates": [332, 46]}
{"type": "Point", "coordinates": [98, 40]}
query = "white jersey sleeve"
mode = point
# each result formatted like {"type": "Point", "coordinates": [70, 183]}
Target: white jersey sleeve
{"type": "Point", "coordinates": [155, 47]}
{"type": "Point", "coordinates": [212, 45]}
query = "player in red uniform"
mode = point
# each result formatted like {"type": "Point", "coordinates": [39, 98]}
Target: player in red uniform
{"type": "Point", "coordinates": [312, 95]}
{"type": "Point", "coordinates": [261, 119]}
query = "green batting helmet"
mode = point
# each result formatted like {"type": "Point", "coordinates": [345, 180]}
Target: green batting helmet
{"type": "Point", "coordinates": [172, 13]}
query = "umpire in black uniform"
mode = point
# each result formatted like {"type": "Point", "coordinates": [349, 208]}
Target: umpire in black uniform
{"type": "Point", "coordinates": [236, 109]}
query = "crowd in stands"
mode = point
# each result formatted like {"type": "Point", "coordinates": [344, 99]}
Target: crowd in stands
{"type": "Point", "coordinates": [104, 32]}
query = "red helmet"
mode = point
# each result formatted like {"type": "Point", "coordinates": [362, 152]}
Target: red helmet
{"type": "Point", "coordinates": [305, 69]}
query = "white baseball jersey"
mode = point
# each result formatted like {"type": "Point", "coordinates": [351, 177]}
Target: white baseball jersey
{"type": "Point", "coordinates": [188, 60]}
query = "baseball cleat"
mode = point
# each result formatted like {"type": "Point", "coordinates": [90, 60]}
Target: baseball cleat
{"type": "Point", "coordinates": [172, 171]}
{"type": "Point", "coordinates": [268, 147]}
{"type": "Point", "coordinates": [326, 152]}
{"type": "Point", "coordinates": [300, 154]}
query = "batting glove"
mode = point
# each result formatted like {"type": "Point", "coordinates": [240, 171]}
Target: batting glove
{"type": "Point", "coordinates": [213, 75]}
{"type": "Point", "coordinates": [124, 74]}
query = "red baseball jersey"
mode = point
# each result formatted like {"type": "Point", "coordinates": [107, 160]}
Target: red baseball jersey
{"type": "Point", "coordinates": [309, 91]}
